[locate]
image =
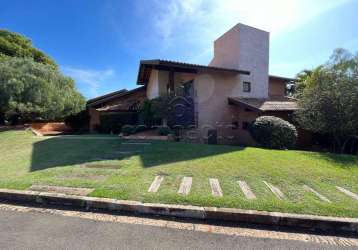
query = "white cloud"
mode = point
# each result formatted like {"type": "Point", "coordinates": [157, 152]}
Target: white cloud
{"type": "Point", "coordinates": [89, 80]}
{"type": "Point", "coordinates": [199, 22]}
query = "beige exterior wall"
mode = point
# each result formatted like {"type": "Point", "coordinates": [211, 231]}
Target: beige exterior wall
{"type": "Point", "coordinates": [245, 48]}
{"type": "Point", "coordinates": [214, 112]}
{"type": "Point", "coordinates": [153, 86]}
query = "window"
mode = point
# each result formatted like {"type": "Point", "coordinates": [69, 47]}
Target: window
{"type": "Point", "coordinates": [247, 86]}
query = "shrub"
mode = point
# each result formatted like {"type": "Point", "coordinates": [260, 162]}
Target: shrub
{"type": "Point", "coordinates": [109, 128]}
{"type": "Point", "coordinates": [128, 130]}
{"type": "Point", "coordinates": [78, 122]}
{"type": "Point", "coordinates": [164, 131]}
{"type": "Point", "coordinates": [140, 128]}
{"type": "Point", "coordinates": [112, 123]}
{"type": "Point", "coordinates": [273, 132]}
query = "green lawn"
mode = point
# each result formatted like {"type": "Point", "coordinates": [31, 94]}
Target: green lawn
{"type": "Point", "coordinates": [120, 171]}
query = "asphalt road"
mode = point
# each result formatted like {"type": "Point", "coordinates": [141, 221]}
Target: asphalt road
{"type": "Point", "coordinates": [31, 230]}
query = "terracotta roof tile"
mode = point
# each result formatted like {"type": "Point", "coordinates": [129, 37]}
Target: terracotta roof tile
{"type": "Point", "coordinates": [271, 104]}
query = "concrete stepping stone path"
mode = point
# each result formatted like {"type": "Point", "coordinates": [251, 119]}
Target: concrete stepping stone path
{"type": "Point", "coordinates": [215, 187]}
{"type": "Point", "coordinates": [156, 184]}
{"type": "Point", "coordinates": [347, 192]}
{"type": "Point", "coordinates": [275, 190]}
{"type": "Point", "coordinates": [246, 190]}
{"type": "Point", "coordinates": [62, 190]}
{"type": "Point", "coordinates": [185, 185]}
{"type": "Point", "coordinates": [322, 197]}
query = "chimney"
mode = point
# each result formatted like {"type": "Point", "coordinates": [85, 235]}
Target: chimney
{"type": "Point", "coordinates": [245, 48]}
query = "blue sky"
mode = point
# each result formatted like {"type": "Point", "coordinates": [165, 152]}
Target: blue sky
{"type": "Point", "coordinates": [100, 42]}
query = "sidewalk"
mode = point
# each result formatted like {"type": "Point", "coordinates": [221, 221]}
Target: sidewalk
{"type": "Point", "coordinates": [319, 223]}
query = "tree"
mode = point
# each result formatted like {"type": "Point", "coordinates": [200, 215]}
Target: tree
{"type": "Point", "coordinates": [328, 102]}
{"type": "Point", "coordinates": [16, 45]}
{"type": "Point", "coordinates": [300, 83]}
{"type": "Point", "coordinates": [35, 91]}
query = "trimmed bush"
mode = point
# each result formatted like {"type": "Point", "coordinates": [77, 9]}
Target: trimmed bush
{"type": "Point", "coordinates": [128, 130]}
{"type": "Point", "coordinates": [164, 131]}
{"type": "Point", "coordinates": [140, 128]}
{"type": "Point", "coordinates": [273, 132]}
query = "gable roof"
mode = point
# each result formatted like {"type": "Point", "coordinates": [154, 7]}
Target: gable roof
{"type": "Point", "coordinates": [146, 66]}
{"type": "Point", "coordinates": [103, 98]}
{"type": "Point", "coordinates": [112, 96]}
{"type": "Point", "coordinates": [264, 105]}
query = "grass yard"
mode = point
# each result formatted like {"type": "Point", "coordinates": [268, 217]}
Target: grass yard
{"type": "Point", "coordinates": [123, 171]}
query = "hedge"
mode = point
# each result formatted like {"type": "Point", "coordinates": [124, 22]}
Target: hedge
{"type": "Point", "coordinates": [113, 123]}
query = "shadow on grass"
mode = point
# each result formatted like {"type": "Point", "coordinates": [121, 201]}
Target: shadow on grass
{"type": "Point", "coordinates": [71, 150]}
{"type": "Point", "coordinates": [343, 160]}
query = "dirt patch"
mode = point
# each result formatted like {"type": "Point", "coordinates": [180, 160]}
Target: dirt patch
{"type": "Point", "coordinates": [62, 190]}
{"type": "Point", "coordinates": [86, 176]}
{"type": "Point", "coordinates": [102, 166]}
{"type": "Point", "coordinates": [161, 173]}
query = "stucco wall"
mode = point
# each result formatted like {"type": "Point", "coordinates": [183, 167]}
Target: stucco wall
{"type": "Point", "coordinates": [245, 48]}
{"type": "Point", "coordinates": [213, 111]}
{"type": "Point", "coordinates": [153, 86]}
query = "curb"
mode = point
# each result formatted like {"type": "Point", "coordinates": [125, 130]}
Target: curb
{"type": "Point", "coordinates": [312, 222]}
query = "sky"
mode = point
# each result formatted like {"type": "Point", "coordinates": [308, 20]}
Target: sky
{"type": "Point", "coordinates": [99, 43]}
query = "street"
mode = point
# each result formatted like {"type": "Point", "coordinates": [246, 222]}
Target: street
{"type": "Point", "coordinates": [42, 228]}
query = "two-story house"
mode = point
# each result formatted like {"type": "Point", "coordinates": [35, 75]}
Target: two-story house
{"type": "Point", "coordinates": [229, 93]}
{"type": "Point", "coordinates": [232, 91]}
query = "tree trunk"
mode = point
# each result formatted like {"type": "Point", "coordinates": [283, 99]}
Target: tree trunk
{"type": "Point", "coordinates": [339, 144]}
{"type": "Point", "coordinates": [343, 146]}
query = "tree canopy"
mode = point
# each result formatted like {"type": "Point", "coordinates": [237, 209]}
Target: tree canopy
{"type": "Point", "coordinates": [35, 91]}
{"type": "Point", "coordinates": [16, 45]}
{"type": "Point", "coordinates": [328, 99]}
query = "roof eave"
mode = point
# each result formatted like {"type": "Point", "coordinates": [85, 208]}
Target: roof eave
{"type": "Point", "coordinates": [232, 101]}
{"type": "Point", "coordinates": [186, 67]}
